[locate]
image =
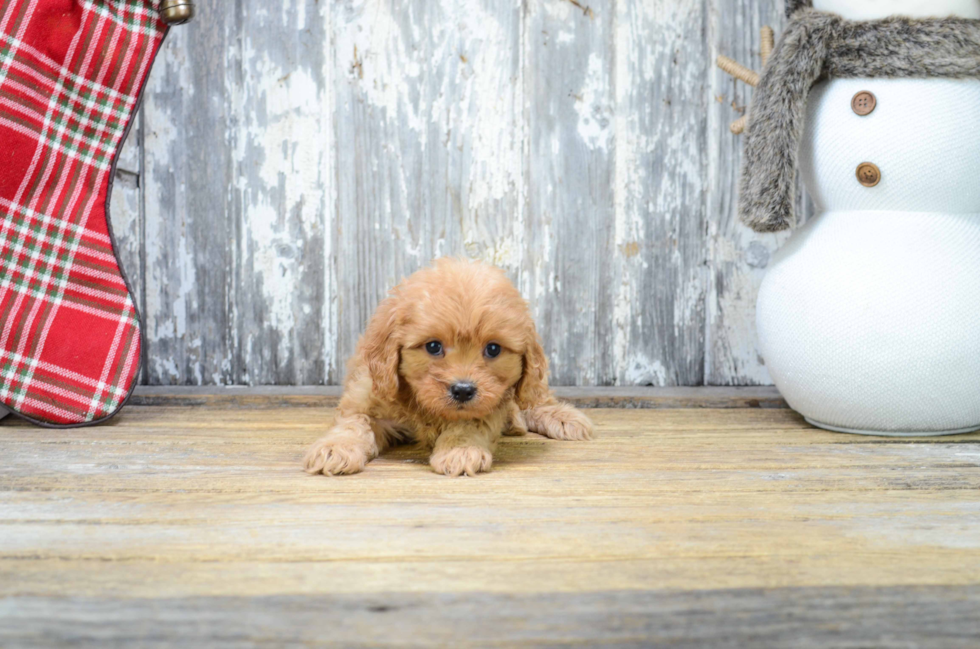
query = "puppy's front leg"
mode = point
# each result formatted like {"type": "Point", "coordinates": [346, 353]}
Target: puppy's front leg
{"type": "Point", "coordinates": [464, 447]}
{"type": "Point", "coordinates": [559, 421]}
{"type": "Point", "coordinates": [349, 445]}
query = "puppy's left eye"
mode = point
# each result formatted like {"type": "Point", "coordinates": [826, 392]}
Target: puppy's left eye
{"type": "Point", "coordinates": [434, 347]}
{"type": "Point", "coordinates": [492, 350]}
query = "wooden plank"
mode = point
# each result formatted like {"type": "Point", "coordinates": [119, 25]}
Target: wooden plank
{"type": "Point", "coordinates": [283, 170]}
{"type": "Point", "coordinates": [237, 215]}
{"type": "Point", "coordinates": [672, 397]}
{"type": "Point", "coordinates": [786, 617]}
{"type": "Point", "coordinates": [737, 257]}
{"type": "Point", "coordinates": [428, 114]}
{"type": "Point", "coordinates": [568, 84]}
{"type": "Point", "coordinates": [651, 273]}
{"type": "Point", "coordinates": [238, 396]}
{"type": "Point", "coordinates": [566, 142]}
{"type": "Point", "coordinates": [191, 135]}
{"type": "Point", "coordinates": [583, 397]}
{"type": "Point", "coordinates": [682, 525]}
{"type": "Point", "coordinates": [753, 497]}
{"type": "Point", "coordinates": [125, 211]}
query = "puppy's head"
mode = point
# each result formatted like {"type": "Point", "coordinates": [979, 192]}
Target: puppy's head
{"type": "Point", "coordinates": [458, 339]}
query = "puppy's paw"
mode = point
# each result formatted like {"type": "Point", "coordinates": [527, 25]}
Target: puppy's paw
{"type": "Point", "coordinates": [333, 456]}
{"type": "Point", "coordinates": [456, 461]}
{"type": "Point", "coordinates": [559, 421]}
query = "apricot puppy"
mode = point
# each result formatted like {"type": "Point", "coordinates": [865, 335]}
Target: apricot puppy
{"type": "Point", "coordinates": [451, 359]}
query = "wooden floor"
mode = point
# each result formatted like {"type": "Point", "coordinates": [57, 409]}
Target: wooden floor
{"type": "Point", "coordinates": [180, 526]}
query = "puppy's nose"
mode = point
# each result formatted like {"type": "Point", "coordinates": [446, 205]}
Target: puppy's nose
{"type": "Point", "coordinates": [462, 391]}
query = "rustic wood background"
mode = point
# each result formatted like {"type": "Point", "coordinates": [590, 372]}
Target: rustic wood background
{"type": "Point", "coordinates": [294, 159]}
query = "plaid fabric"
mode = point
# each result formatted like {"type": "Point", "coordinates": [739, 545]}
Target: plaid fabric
{"type": "Point", "coordinates": [70, 76]}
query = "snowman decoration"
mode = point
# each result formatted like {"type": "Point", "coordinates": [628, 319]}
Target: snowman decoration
{"type": "Point", "coordinates": [869, 316]}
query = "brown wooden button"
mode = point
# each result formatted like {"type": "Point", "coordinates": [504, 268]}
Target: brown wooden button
{"type": "Point", "coordinates": [863, 103]}
{"type": "Point", "coordinates": [868, 174]}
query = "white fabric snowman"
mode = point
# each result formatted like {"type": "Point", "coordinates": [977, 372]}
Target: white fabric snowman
{"type": "Point", "coordinates": [869, 316]}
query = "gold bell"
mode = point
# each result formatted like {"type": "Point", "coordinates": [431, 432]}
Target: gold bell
{"type": "Point", "coordinates": [176, 12]}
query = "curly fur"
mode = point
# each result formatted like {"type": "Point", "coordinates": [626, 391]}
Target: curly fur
{"type": "Point", "coordinates": [793, 5]}
{"type": "Point", "coordinates": [819, 45]}
{"type": "Point", "coordinates": [397, 391]}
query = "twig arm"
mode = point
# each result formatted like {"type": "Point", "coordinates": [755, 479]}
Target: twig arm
{"type": "Point", "coordinates": [738, 70]}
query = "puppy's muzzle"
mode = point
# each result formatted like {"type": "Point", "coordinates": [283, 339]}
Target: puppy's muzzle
{"type": "Point", "coordinates": [462, 391]}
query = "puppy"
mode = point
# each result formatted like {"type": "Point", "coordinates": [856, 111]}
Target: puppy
{"type": "Point", "coordinates": [451, 359]}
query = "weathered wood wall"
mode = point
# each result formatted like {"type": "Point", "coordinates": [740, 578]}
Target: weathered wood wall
{"type": "Point", "coordinates": [296, 158]}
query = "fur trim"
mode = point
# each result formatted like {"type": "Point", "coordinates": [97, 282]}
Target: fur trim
{"type": "Point", "coordinates": [820, 45]}
{"type": "Point", "coordinates": [793, 5]}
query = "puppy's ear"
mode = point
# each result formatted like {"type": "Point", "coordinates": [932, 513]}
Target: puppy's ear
{"type": "Point", "coordinates": [532, 388]}
{"type": "Point", "coordinates": [381, 349]}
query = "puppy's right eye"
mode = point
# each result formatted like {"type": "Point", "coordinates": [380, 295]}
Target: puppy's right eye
{"type": "Point", "coordinates": [434, 347]}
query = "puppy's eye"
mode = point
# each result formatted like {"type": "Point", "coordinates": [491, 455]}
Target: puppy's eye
{"type": "Point", "coordinates": [492, 351]}
{"type": "Point", "coordinates": [434, 347]}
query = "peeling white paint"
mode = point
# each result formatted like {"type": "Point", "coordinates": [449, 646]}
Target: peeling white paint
{"type": "Point", "coordinates": [328, 309]}
{"type": "Point", "coordinates": [288, 185]}
{"type": "Point", "coordinates": [476, 108]}
{"type": "Point", "coordinates": [731, 352]}
{"type": "Point", "coordinates": [643, 371]}
{"type": "Point", "coordinates": [417, 135]}
{"type": "Point", "coordinates": [658, 159]}
{"type": "Point", "coordinates": [555, 10]}
{"type": "Point", "coordinates": [381, 61]}
{"type": "Point", "coordinates": [594, 113]}
{"type": "Point", "coordinates": [172, 268]}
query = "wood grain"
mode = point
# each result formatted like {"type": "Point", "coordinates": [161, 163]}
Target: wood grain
{"type": "Point", "coordinates": [783, 617]}
{"type": "Point", "coordinates": [329, 396]}
{"type": "Point", "coordinates": [300, 161]}
{"type": "Point", "coordinates": [652, 277]}
{"type": "Point", "coordinates": [746, 520]}
{"type": "Point", "coordinates": [736, 257]}
{"type": "Point", "coordinates": [568, 80]}
{"type": "Point", "coordinates": [281, 102]}
{"type": "Point", "coordinates": [428, 131]}
{"type": "Point", "coordinates": [126, 213]}
{"type": "Point", "coordinates": [191, 131]}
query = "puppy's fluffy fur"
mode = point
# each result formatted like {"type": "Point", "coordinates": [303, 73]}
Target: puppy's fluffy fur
{"type": "Point", "coordinates": [399, 390]}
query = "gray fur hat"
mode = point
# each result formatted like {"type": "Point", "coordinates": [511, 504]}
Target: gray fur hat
{"type": "Point", "coordinates": [793, 5]}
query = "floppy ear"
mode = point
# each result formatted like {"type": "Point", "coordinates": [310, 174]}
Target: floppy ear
{"type": "Point", "coordinates": [381, 349]}
{"type": "Point", "coordinates": [532, 388]}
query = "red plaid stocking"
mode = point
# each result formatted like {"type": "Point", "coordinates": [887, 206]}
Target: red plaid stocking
{"type": "Point", "coordinates": [71, 72]}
